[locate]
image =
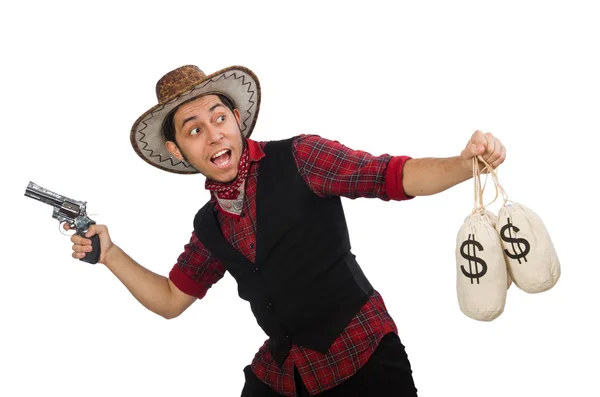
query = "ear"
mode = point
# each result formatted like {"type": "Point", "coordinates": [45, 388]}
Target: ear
{"type": "Point", "coordinates": [238, 117]}
{"type": "Point", "coordinates": [174, 150]}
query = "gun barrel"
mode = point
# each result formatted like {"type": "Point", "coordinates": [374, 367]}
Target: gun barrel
{"type": "Point", "coordinates": [37, 192]}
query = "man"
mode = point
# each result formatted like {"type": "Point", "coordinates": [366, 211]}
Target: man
{"type": "Point", "coordinates": [276, 223]}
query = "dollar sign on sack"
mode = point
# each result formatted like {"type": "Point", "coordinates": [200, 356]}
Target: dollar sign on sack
{"type": "Point", "coordinates": [515, 242]}
{"type": "Point", "coordinates": [473, 272]}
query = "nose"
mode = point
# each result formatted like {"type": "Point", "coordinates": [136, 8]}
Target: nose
{"type": "Point", "coordinates": [214, 135]}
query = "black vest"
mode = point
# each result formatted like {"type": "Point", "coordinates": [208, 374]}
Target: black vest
{"type": "Point", "coordinates": [305, 285]}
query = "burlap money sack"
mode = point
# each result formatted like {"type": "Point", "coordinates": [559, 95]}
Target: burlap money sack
{"type": "Point", "coordinates": [528, 250]}
{"type": "Point", "coordinates": [481, 275]}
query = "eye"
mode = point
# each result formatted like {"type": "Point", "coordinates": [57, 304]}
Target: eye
{"type": "Point", "coordinates": [221, 118]}
{"type": "Point", "coordinates": [194, 131]}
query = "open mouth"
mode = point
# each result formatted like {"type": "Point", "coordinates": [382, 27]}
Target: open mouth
{"type": "Point", "coordinates": [222, 158]}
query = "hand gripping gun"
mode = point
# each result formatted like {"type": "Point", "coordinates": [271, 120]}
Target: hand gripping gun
{"type": "Point", "coordinates": [70, 211]}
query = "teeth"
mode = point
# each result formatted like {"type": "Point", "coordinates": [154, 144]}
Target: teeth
{"type": "Point", "coordinates": [219, 153]}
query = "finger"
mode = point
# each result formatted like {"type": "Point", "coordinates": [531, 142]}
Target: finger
{"type": "Point", "coordinates": [490, 146]}
{"type": "Point", "coordinates": [81, 248]}
{"type": "Point", "coordinates": [66, 226]}
{"type": "Point", "coordinates": [478, 138]}
{"type": "Point", "coordinates": [495, 154]}
{"type": "Point", "coordinates": [79, 240]}
{"type": "Point", "coordinates": [78, 255]}
{"type": "Point", "coordinates": [500, 159]}
{"type": "Point", "coordinates": [477, 144]}
{"type": "Point", "coordinates": [497, 151]}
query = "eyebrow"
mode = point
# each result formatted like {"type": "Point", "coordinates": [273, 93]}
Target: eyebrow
{"type": "Point", "coordinates": [211, 109]}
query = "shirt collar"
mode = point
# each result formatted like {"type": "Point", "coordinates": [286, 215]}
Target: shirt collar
{"type": "Point", "coordinates": [255, 150]}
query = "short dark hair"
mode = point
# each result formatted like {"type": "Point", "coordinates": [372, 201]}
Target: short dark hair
{"type": "Point", "coordinates": [169, 123]}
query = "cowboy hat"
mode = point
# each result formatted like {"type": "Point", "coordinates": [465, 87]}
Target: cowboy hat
{"type": "Point", "coordinates": [178, 86]}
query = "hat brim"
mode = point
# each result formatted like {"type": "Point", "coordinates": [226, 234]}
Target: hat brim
{"type": "Point", "coordinates": [236, 82]}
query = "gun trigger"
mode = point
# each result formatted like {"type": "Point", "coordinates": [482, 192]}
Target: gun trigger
{"type": "Point", "coordinates": [62, 230]}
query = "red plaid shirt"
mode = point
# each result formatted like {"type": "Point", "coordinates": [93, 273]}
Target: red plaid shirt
{"type": "Point", "coordinates": [330, 169]}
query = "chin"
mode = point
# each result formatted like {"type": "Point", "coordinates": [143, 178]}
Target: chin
{"type": "Point", "coordinates": [225, 178]}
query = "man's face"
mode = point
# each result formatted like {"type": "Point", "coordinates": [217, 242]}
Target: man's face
{"type": "Point", "coordinates": [209, 138]}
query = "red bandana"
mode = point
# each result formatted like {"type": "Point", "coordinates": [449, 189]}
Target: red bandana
{"type": "Point", "coordinates": [230, 190]}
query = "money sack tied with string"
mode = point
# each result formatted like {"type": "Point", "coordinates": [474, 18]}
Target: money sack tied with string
{"type": "Point", "coordinates": [529, 253]}
{"type": "Point", "coordinates": [519, 249]}
{"type": "Point", "coordinates": [482, 279]}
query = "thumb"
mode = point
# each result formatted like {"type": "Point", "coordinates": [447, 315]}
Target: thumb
{"type": "Point", "coordinates": [476, 149]}
{"type": "Point", "coordinates": [91, 231]}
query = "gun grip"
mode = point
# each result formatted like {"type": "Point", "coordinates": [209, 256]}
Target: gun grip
{"type": "Point", "coordinates": [93, 256]}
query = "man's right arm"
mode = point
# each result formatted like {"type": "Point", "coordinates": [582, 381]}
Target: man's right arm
{"type": "Point", "coordinates": [155, 292]}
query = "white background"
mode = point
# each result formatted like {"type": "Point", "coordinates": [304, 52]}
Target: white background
{"type": "Point", "coordinates": [398, 78]}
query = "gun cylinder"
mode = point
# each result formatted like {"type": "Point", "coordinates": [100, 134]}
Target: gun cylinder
{"type": "Point", "coordinates": [70, 210]}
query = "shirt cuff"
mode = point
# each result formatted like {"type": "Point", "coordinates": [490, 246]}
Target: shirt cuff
{"type": "Point", "coordinates": [186, 284]}
{"type": "Point", "coordinates": [393, 179]}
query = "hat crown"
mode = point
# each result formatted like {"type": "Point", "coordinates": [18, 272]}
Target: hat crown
{"type": "Point", "coordinates": [177, 81]}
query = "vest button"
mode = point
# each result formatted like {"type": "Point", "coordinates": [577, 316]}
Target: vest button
{"type": "Point", "coordinates": [255, 269]}
{"type": "Point", "coordinates": [269, 305]}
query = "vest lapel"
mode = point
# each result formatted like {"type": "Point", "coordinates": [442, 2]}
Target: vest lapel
{"type": "Point", "coordinates": [211, 236]}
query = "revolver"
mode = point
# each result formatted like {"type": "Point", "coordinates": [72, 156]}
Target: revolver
{"type": "Point", "coordinates": [70, 211]}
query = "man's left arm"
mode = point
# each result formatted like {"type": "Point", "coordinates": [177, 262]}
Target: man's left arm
{"type": "Point", "coordinates": [427, 176]}
{"type": "Point", "coordinates": [331, 169]}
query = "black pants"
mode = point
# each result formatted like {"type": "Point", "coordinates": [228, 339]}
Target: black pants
{"type": "Point", "coordinates": [387, 373]}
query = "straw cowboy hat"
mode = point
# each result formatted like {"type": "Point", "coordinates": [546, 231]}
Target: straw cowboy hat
{"type": "Point", "coordinates": [178, 86]}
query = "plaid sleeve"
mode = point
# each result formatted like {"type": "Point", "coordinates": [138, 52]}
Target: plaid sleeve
{"type": "Point", "coordinates": [196, 269]}
{"type": "Point", "coordinates": [332, 169]}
